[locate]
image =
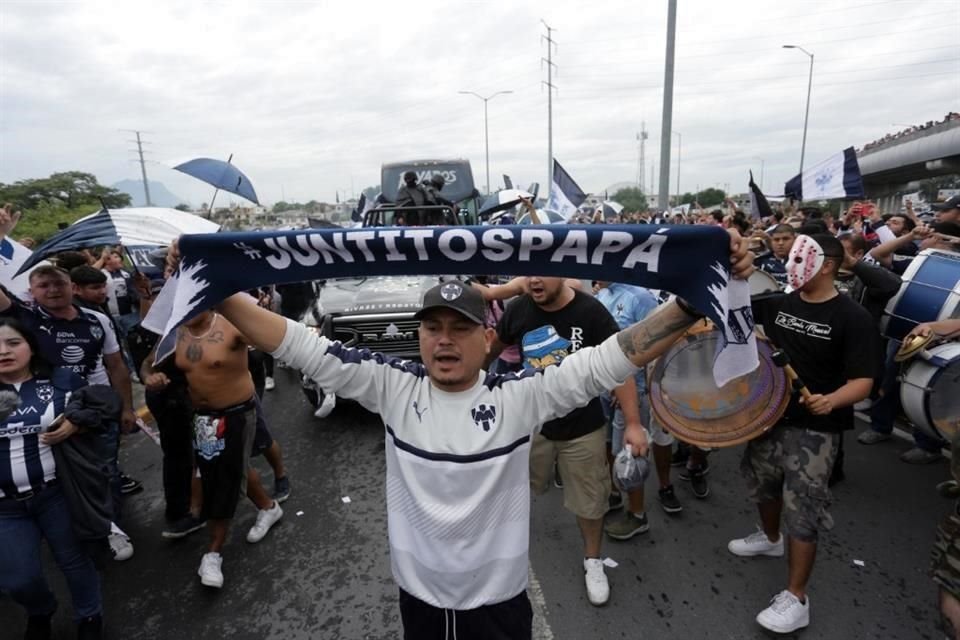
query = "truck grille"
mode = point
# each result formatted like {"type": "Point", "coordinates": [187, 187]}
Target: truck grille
{"type": "Point", "coordinates": [390, 335]}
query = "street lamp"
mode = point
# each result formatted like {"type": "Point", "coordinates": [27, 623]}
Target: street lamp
{"type": "Point", "coordinates": [761, 172]}
{"type": "Point", "coordinates": [486, 130]}
{"type": "Point", "coordinates": [679, 149]}
{"type": "Point", "coordinates": [806, 116]}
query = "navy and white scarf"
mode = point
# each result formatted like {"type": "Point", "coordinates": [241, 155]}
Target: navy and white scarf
{"type": "Point", "coordinates": [690, 261]}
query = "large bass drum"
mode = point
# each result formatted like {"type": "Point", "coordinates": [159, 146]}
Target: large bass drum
{"type": "Point", "coordinates": [930, 391]}
{"type": "Point", "coordinates": [686, 401]}
{"type": "Point", "coordinates": [930, 292]}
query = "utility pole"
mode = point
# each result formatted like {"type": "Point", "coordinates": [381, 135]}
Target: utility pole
{"type": "Point", "coordinates": [666, 137]}
{"type": "Point", "coordinates": [486, 128]}
{"type": "Point", "coordinates": [143, 166]}
{"type": "Point", "coordinates": [679, 151]}
{"type": "Point", "coordinates": [550, 90]}
{"type": "Point", "coordinates": [642, 137]}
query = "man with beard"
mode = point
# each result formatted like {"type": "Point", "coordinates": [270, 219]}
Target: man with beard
{"type": "Point", "coordinates": [550, 322]}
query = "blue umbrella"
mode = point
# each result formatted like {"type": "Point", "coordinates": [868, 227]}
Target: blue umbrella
{"type": "Point", "coordinates": [134, 227]}
{"type": "Point", "coordinates": [221, 175]}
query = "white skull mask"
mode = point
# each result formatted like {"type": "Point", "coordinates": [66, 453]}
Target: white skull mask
{"type": "Point", "coordinates": [804, 261]}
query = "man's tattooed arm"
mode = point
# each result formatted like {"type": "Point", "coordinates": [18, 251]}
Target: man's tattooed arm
{"type": "Point", "coordinates": [650, 338]}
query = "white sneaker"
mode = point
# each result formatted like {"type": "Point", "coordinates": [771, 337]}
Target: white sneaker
{"type": "Point", "coordinates": [120, 546]}
{"type": "Point", "coordinates": [756, 544]}
{"type": "Point", "coordinates": [210, 572]}
{"type": "Point", "coordinates": [598, 589]}
{"type": "Point", "coordinates": [269, 384]}
{"type": "Point", "coordinates": [785, 614]}
{"type": "Point", "coordinates": [266, 518]}
{"type": "Point", "coordinates": [327, 405]}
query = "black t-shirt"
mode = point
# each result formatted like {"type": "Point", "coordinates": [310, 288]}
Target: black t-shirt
{"type": "Point", "coordinates": [547, 337]}
{"type": "Point", "coordinates": [829, 343]}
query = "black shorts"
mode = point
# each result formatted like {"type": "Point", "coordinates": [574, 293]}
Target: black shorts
{"type": "Point", "coordinates": [508, 620]}
{"type": "Point", "coordinates": [262, 439]}
{"type": "Point", "coordinates": [222, 440]}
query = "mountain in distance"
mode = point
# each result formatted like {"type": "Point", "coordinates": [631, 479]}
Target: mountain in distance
{"type": "Point", "coordinates": [159, 195]}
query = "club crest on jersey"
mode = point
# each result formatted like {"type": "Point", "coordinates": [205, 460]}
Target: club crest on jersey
{"type": "Point", "coordinates": [484, 416]}
{"type": "Point", "coordinates": [45, 393]}
{"type": "Point", "coordinates": [96, 331]}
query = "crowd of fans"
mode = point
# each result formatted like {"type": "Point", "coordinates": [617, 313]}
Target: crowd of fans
{"type": "Point", "coordinates": [905, 133]}
{"type": "Point", "coordinates": [84, 319]}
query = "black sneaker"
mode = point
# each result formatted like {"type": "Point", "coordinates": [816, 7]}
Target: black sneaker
{"type": "Point", "coordinates": [668, 500]}
{"type": "Point", "coordinates": [38, 628]}
{"type": "Point", "coordinates": [698, 482]}
{"type": "Point", "coordinates": [183, 527]}
{"type": "Point", "coordinates": [626, 525]}
{"type": "Point", "coordinates": [281, 489]}
{"type": "Point", "coordinates": [557, 480]}
{"type": "Point", "coordinates": [615, 502]}
{"type": "Point", "coordinates": [129, 485]}
{"type": "Point", "coordinates": [685, 472]}
{"type": "Point", "coordinates": [90, 628]}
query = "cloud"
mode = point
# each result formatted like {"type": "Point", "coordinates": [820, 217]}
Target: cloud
{"type": "Point", "coordinates": [312, 98]}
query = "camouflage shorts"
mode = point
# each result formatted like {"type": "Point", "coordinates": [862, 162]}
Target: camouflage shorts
{"type": "Point", "coordinates": [945, 559]}
{"type": "Point", "coordinates": [794, 465]}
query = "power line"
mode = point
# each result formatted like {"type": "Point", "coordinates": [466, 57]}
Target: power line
{"type": "Point", "coordinates": [713, 29]}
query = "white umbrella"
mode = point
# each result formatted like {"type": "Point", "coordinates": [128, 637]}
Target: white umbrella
{"type": "Point", "coordinates": [156, 226]}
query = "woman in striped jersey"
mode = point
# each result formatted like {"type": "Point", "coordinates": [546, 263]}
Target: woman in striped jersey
{"type": "Point", "coordinates": [32, 505]}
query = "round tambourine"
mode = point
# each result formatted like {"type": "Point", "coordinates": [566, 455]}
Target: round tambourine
{"type": "Point", "coordinates": [687, 402]}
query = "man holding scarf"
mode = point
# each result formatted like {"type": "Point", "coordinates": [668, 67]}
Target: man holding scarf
{"type": "Point", "coordinates": [458, 443]}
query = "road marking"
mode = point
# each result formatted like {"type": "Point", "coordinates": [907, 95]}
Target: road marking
{"type": "Point", "coordinates": [541, 628]}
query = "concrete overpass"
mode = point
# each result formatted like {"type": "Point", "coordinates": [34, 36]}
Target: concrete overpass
{"type": "Point", "coordinates": [896, 167]}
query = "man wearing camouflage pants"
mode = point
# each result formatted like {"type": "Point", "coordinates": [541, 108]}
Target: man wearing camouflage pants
{"type": "Point", "coordinates": [832, 343]}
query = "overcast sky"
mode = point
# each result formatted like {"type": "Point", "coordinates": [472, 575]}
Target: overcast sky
{"type": "Point", "coordinates": [311, 97]}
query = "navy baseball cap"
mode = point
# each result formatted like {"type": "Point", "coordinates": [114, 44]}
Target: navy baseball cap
{"type": "Point", "coordinates": [456, 295]}
{"type": "Point", "coordinates": [952, 203]}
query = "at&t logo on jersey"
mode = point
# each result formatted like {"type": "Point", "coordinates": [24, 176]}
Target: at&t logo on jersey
{"type": "Point", "coordinates": [72, 354]}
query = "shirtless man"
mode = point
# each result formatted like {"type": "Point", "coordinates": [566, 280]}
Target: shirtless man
{"type": "Point", "coordinates": [209, 352]}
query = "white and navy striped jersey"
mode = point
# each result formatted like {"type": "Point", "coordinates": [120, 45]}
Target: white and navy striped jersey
{"type": "Point", "coordinates": [25, 462]}
{"type": "Point", "coordinates": [78, 344]}
{"type": "Point", "coordinates": [458, 485]}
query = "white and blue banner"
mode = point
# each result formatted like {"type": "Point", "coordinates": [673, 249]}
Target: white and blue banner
{"type": "Point", "coordinates": [565, 194]}
{"type": "Point", "coordinates": [12, 256]}
{"type": "Point", "coordinates": [836, 177]}
{"type": "Point", "coordinates": [691, 261]}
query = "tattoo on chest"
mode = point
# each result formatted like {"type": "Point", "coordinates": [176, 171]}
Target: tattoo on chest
{"type": "Point", "coordinates": [194, 351]}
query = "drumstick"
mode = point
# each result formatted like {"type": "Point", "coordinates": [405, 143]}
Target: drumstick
{"type": "Point", "coordinates": [781, 359]}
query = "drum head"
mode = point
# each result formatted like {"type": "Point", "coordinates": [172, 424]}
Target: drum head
{"type": "Point", "coordinates": [687, 402]}
{"type": "Point", "coordinates": [762, 283]}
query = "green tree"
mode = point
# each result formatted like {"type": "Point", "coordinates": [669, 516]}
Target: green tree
{"type": "Point", "coordinates": [710, 197]}
{"type": "Point", "coordinates": [72, 188]}
{"type": "Point", "coordinates": [61, 198]}
{"type": "Point", "coordinates": [631, 198]}
{"type": "Point", "coordinates": [182, 207]}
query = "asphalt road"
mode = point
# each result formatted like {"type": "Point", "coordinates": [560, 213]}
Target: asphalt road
{"type": "Point", "coordinates": [323, 571]}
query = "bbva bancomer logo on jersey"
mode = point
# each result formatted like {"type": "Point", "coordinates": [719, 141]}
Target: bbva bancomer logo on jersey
{"type": "Point", "coordinates": [449, 176]}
